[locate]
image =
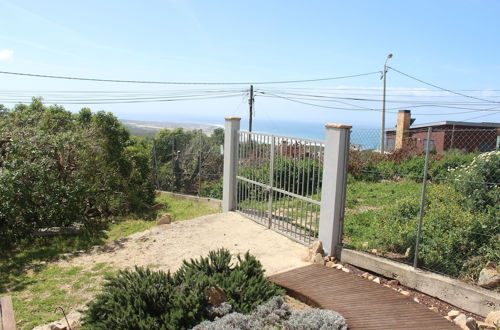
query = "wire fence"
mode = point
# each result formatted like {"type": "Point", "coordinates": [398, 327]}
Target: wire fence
{"type": "Point", "coordinates": [432, 200]}
{"type": "Point", "coordinates": [189, 162]}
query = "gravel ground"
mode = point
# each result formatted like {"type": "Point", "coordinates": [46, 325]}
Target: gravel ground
{"type": "Point", "coordinates": [164, 247]}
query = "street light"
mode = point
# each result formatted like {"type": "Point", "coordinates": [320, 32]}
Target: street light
{"type": "Point", "coordinates": [382, 128]}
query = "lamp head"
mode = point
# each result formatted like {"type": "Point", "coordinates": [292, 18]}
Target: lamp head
{"type": "Point", "coordinates": [389, 56]}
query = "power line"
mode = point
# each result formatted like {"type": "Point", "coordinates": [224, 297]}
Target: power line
{"type": "Point", "coordinates": [184, 83]}
{"type": "Point", "coordinates": [441, 88]}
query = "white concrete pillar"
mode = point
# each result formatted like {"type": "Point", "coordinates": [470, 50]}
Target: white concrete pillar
{"type": "Point", "coordinates": [334, 186]}
{"type": "Point", "coordinates": [231, 129]}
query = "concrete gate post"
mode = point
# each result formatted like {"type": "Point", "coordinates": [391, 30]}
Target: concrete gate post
{"type": "Point", "coordinates": [231, 129]}
{"type": "Point", "coordinates": [334, 186]}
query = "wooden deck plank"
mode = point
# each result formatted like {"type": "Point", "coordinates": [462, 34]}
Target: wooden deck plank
{"type": "Point", "coordinates": [364, 304]}
{"type": "Point", "coordinates": [7, 321]}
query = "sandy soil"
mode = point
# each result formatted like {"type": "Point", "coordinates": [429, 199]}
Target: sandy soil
{"type": "Point", "coordinates": [164, 247]}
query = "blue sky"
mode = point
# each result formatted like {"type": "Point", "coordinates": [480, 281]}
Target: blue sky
{"type": "Point", "coordinates": [453, 44]}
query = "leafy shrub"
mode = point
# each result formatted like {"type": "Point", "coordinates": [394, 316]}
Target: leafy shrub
{"type": "Point", "coordinates": [211, 189]}
{"type": "Point", "coordinates": [276, 314]}
{"type": "Point", "coordinates": [145, 299]}
{"type": "Point", "coordinates": [480, 181]}
{"type": "Point", "coordinates": [454, 240]}
{"type": "Point", "coordinates": [57, 168]}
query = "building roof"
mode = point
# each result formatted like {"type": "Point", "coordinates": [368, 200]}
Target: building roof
{"type": "Point", "coordinates": [450, 123]}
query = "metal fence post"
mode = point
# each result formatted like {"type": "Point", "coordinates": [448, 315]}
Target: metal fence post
{"type": "Point", "coordinates": [333, 189]}
{"type": "Point", "coordinates": [271, 182]}
{"type": "Point", "coordinates": [231, 129]}
{"type": "Point", "coordinates": [422, 198]}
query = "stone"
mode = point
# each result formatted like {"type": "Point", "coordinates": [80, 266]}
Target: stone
{"type": "Point", "coordinates": [434, 309]}
{"type": "Point", "coordinates": [330, 264]}
{"type": "Point", "coordinates": [484, 325]}
{"type": "Point", "coordinates": [58, 326]}
{"type": "Point", "coordinates": [371, 277]}
{"type": "Point", "coordinates": [415, 299]}
{"type": "Point", "coordinates": [345, 270]}
{"type": "Point", "coordinates": [377, 280]}
{"type": "Point", "coordinates": [393, 282]}
{"type": "Point", "coordinates": [165, 219]}
{"type": "Point", "coordinates": [407, 253]}
{"type": "Point", "coordinates": [374, 251]}
{"type": "Point", "coordinates": [489, 278]}
{"type": "Point", "coordinates": [157, 206]}
{"type": "Point", "coordinates": [216, 296]}
{"type": "Point", "coordinates": [493, 317]}
{"type": "Point", "coordinates": [318, 259]}
{"type": "Point", "coordinates": [453, 313]}
{"type": "Point", "coordinates": [365, 275]}
{"type": "Point", "coordinates": [471, 323]}
{"type": "Point", "coordinates": [405, 293]}
{"type": "Point", "coordinates": [461, 321]}
{"type": "Point", "coordinates": [326, 258]}
{"type": "Point", "coordinates": [339, 266]}
{"type": "Point", "coordinates": [448, 318]}
{"type": "Point", "coordinates": [315, 248]}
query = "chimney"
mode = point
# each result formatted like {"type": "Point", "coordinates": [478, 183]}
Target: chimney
{"type": "Point", "coordinates": [402, 128]}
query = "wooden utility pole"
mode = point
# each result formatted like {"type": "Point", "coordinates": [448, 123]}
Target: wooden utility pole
{"type": "Point", "coordinates": [250, 106]}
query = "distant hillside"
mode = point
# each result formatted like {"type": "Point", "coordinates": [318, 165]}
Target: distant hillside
{"type": "Point", "coordinates": [150, 128]}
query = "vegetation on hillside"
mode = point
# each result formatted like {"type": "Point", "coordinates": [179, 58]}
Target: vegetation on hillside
{"type": "Point", "coordinates": [59, 168]}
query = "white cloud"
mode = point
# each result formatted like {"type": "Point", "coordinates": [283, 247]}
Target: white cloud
{"type": "Point", "coordinates": [6, 54]}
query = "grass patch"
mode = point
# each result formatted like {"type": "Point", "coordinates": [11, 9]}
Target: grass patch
{"type": "Point", "coordinates": [361, 193]}
{"type": "Point", "coordinates": [38, 286]}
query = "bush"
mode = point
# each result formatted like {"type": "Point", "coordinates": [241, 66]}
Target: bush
{"type": "Point", "coordinates": [454, 240]}
{"type": "Point", "coordinates": [145, 299]}
{"type": "Point", "coordinates": [57, 168]}
{"type": "Point", "coordinates": [276, 314]}
{"type": "Point", "coordinates": [480, 181]}
{"type": "Point", "coordinates": [212, 189]}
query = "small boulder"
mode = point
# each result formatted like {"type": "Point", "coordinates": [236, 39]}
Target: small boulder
{"type": "Point", "coordinates": [165, 219]}
{"type": "Point", "coordinates": [405, 293]}
{"type": "Point", "coordinates": [318, 259]}
{"type": "Point", "coordinates": [471, 323]}
{"type": "Point", "coordinates": [157, 206]}
{"type": "Point", "coordinates": [453, 313]}
{"type": "Point", "coordinates": [493, 318]}
{"type": "Point", "coordinates": [434, 309]}
{"type": "Point", "coordinates": [216, 296]}
{"type": "Point", "coordinates": [393, 282]}
{"type": "Point", "coordinates": [316, 247]}
{"type": "Point", "coordinates": [371, 277]}
{"type": "Point", "coordinates": [330, 264]}
{"type": "Point", "coordinates": [377, 280]}
{"type": "Point", "coordinates": [345, 270]}
{"type": "Point", "coordinates": [365, 275]}
{"type": "Point", "coordinates": [484, 325]}
{"type": "Point", "coordinates": [407, 253]}
{"type": "Point", "coordinates": [461, 321]}
{"type": "Point", "coordinates": [489, 278]}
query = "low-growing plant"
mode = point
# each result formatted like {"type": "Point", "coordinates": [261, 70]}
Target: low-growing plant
{"type": "Point", "coordinates": [146, 299]}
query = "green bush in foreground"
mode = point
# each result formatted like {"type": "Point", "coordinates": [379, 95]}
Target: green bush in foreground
{"type": "Point", "coordinates": [146, 299]}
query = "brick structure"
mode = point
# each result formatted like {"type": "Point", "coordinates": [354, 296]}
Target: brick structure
{"type": "Point", "coordinates": [445, 135]}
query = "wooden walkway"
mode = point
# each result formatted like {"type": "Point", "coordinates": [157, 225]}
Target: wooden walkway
{"type": "Point", "coordinates": [365, 304]}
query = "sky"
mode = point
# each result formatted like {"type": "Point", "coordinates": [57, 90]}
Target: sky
{"type": "Point", "coordinates": [451, 44]}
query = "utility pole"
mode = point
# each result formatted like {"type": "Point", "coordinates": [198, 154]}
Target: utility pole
{"type": "Point", "coordinates": [250, 105]}
{"type": "Point", "coordinates": [382, 128]}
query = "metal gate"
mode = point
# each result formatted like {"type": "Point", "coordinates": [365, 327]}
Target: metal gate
{"type": "Point", "coordinates": [279, 181]}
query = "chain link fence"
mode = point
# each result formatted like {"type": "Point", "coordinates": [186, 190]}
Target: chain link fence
{"type": "Point", "coordinates": [189, 162]}
{"type": "Point", "coordinates": [432, 200]}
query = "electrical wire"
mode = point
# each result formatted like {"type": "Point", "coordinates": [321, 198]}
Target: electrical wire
{"type": "Point", "coordinates": [441, 88]}
{"type": "Point", "coordinates": [184, 83]}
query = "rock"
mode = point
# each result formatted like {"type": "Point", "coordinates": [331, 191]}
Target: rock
{"type": "Point", "coordinates": [58, 326]}
{"type": "Point", "coordinates": [489, 278]}
{"type": "Point", "coordinates": [157, 206]}
{"type": "Point", "coordinates": [316, 247]}
{"type": "Point", "coordinates": [434, 309]}
{"type": "Point", "coordinates": [374, 251]}
{"type": "Point", "coordinates": [453, 313]}
{"type": "Point", "coordinates": [338, 266]}
{"type": "Point", "coordinates": [393, 282]}
{"type": "Point", "coordinates": [326, 258]}
{"type": "Point", "coordinates": [216, 296]}
{"type": "Point", "coordinates": [330, 264]}
{"type": "Point", "coordinates": [484, 325]}
{"type": "Point", "coordinates": [365, 275]}
{"type": "Point", "coordinates": [415, 299]}
{"type": "Point", "coordinates": [471, 323]}
{"type": "Point", "coordinates": [405, 293]}
{"type": "Point", "coordinates": [345, 270]}
{"type": "Point", "coordinates": [493, 318]}
{"type": "Point", "coordinates": [377, 280]}
{"type": "Point", "coordinates": [461, 321]}
{"type": "Point", "coordinates": [165, 219]}
{"type": "Point", "coordinates": [448, 318]}
{"type": "Point", "coordinates": [407, 253]}
{"type": "Point", "coordinates": [318, 259]}
{"type": "Point", "coordinates": [371, 277]}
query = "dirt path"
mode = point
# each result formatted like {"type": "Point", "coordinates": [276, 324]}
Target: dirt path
{"type": "Point", "coordinates": [164, 247]}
